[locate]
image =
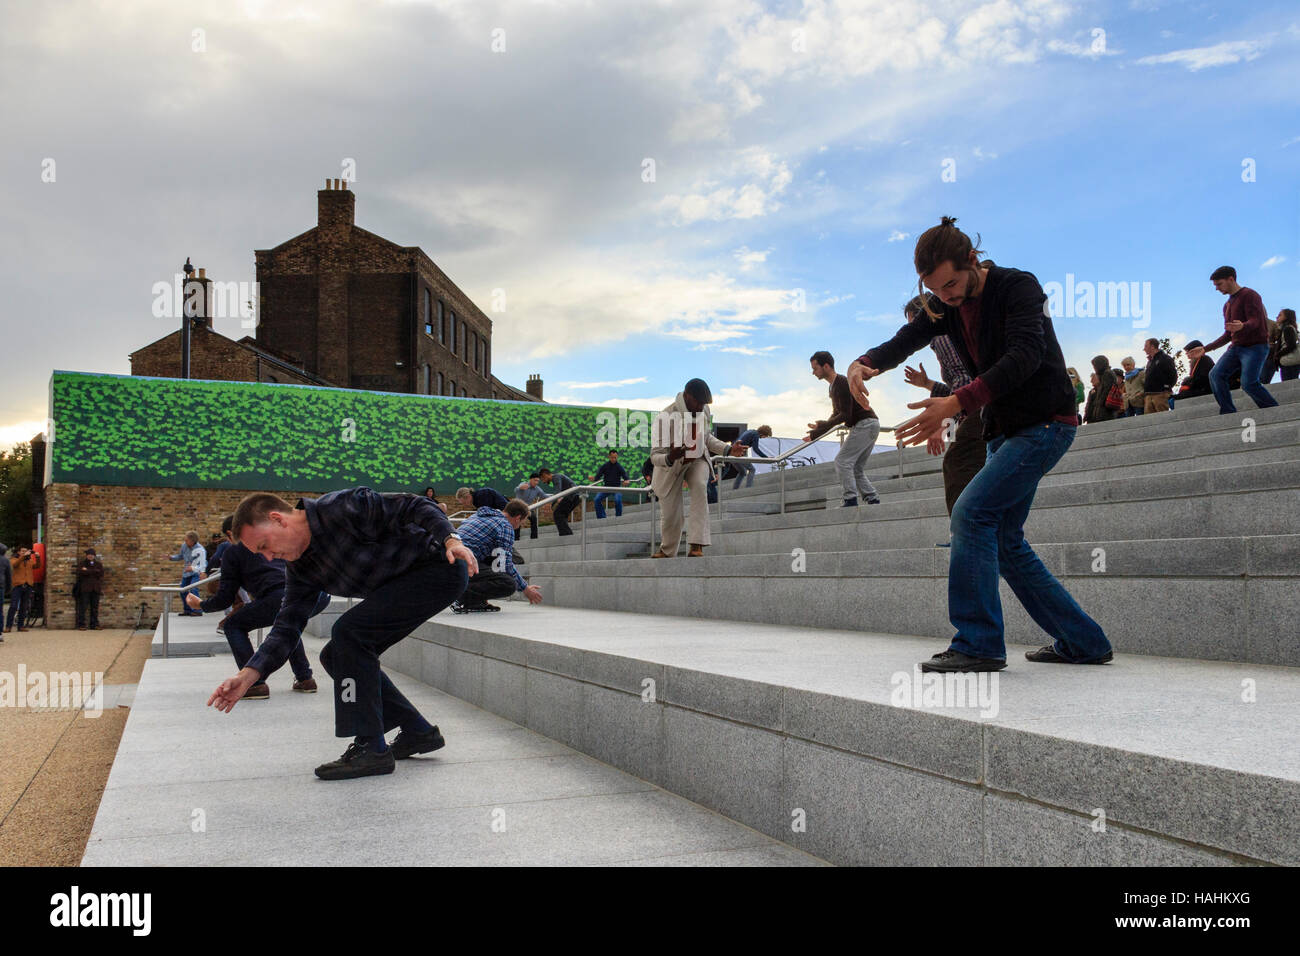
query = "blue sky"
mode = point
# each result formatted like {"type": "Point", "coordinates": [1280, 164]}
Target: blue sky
{"type": "Point", "coordinates": [796, 146]}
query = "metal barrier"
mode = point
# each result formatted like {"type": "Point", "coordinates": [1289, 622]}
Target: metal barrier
{"type": "Point", "coordinates": [167, 591]}
{"type": "Point", "coordinates": [582, 492]}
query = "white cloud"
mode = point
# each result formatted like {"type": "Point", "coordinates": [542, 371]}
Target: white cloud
{"type": "Point", "coordinates": [745, 350]}
{"type": "Point", "coordinates": [711, 200]}
{"type": "Point", "coordinates": [618, 384]}
{"type": "Point", "coordinates": [20, 432]}
{"type": "Point", "coordinates": [980, 154]}
{"type": "Point", "coordinates": [1272, 261]}
{"type": "Point", "coordinates": [898, 236]}
{"type": "Point", "coordinates": [1200, 58]}
{"type": "Point", "coordinates": [750, 259]}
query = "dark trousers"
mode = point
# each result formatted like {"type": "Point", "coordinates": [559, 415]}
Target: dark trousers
{"type": "Point", "coordinates": [963, 459]}
{"type": "Point", "coordinates": [87, 606]}
{"type": "Point", "coordinates": [261, 613]}
{"type": "Point", "coordinates": [532, 525]}
{"type": "Point", "coordinates": [366, 704]}
{"type": "Point", "coordinates": [20, 603]}
{"type": "Point", "coordinates": [563, 508]}
{"type": "Point", "coordinates": [486, 585]}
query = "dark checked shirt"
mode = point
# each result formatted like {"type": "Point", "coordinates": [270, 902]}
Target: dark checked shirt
{"type": "Point", "coordinates": [241, 568]}
{"type": "Point", "coordinates": [360, 540]}
{"type": "Point", "coordinates": [951, 369]}
{"type": "Point", "coordinates": [489, 535]}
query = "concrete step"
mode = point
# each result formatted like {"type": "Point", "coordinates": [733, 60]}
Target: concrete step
{"type": "Point", "coordinates": [832, 741]}
{"type": "Point", "coordinates": [1219, 599]}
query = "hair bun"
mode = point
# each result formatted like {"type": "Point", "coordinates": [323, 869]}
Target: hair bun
{"type": "Point", "coordinates": [948, 221]}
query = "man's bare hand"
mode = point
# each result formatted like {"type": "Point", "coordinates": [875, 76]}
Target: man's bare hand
{"type": "Point", "coordinates": [456, 551]}
{"type": "Point", "coordinates": [1234, 326]}
{"type": "Point", "coordinates": [936, 413]}
{"type": "Point", "coordinates": [192, 600]}
{"type": "Point", "coordinates": [857, 376]}
{"type": "Point", "coordinates": [533, 593]}
{"type": "Point", "coordinates": [934, 445]}
{"type": "Point", "coordinates": [918, 377]}
{"type": "Point", "coordinates": [232, 689]}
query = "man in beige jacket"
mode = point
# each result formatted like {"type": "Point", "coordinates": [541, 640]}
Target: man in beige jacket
{"type": "Point", "coordinates": [682, 446]}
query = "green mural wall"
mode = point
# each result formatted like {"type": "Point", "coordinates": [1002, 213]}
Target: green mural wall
{"type": "Point", "coordinates": [157, 432]}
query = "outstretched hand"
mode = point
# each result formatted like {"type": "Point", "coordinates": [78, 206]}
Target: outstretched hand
{"type": "Point", "coordinates": [857, 376]}
{"type": "Point", "coordinates": [917, 377]}
{"type": "Point", "coordinates": [232, 689]}
{"type": "Point", "coordinates": [937, 412]}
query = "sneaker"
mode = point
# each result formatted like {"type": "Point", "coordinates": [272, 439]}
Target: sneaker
{"type": "Point", "coordinates": [357, 761]}
{"type": "Point", "coordinates": [258, 692]}
{"type": "Point", "coordinates": [307, 686]}
{"type": "Point", "coordinates": [1048, 655]}
{"type": "Point", "coordinates": [950, 661]}
{"type": "Point", "coordinates": [405, 745]}
{"type": "Point", "coordinates": [851, 502]}
{"type": "Point", "coordinates": [459, 608]}
{"type": "Point", "coordinates": [872, 501]}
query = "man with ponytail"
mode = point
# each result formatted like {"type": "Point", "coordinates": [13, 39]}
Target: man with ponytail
{"type": "Point", "coordinates": [997, 319]}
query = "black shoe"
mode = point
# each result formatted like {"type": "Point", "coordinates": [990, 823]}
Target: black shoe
{"type": "Point", "coordinates": [459, 608]}
{"type": "Point", "coordinates": [950, 661]}
{"type": "Point", "coordinates": [872, 501]}
{"type": "Point", "coordinates": [1048, 655]}
{"type": "Point", "coordinates": [357, 761]}
{"type": "Point", "coordinates": [851, 502]}
{"type": "Point", "coordinates": [407, 744]}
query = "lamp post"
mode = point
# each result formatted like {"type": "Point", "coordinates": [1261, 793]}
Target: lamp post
{"type": "Point", "coordinates": [185, 320]}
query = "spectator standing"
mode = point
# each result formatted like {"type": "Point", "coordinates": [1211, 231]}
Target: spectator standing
{"type": "Point", "coordinates": [22, 567]}
{"type": "Point", "coordinates": [490, 534]}
{"type": "Point", "coordinates": [194, 562]}
{"type": "Point", "coordinates": [863, 426]}
{"type": "Point", "coordinates": [1161, 376]}
{"type": "Point", "coordinates": [1078, 388]}
{"type": "Point", "coordinates": [1288, 349]}
{"type": "Point", "coordinates": [1271, 363]}
{"type": "Point", "coordinates": [1134, 388]}
{"type": "Point", "coordinates": [1245, 324]}
{"type": "Point", "coordinates": [90, 583]}
{"type": "Point", "coordinates": [530, 494]}
{"type": "Point", "coordinates": [6, 582]}
{"type": "Point", "coordinates": [965, 456]}
{"type": "Point", "coordinates": [1104, 408]}
{"type": "Point", "coordinates": [1198, 382]}
{"type": "Point", "coordinates": [611, 475]}
{"type": "Point", "coordinates": [561, 509]}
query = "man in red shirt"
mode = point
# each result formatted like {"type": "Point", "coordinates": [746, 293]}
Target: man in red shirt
{"type": "Point", "coordinates": [1246, 323]}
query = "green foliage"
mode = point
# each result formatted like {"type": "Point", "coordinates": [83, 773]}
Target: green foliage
{"type": "Point", "coordinates": [17, 520]}
{"type": "Point", "coordinates": [123, 430]}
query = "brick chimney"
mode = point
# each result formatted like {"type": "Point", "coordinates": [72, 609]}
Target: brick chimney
{"type": "Point", "coordinates": [198, 297]}
{"type": "Point", "coordinates": [336, 212]}
{"type": "Point", "coordinates": [534, 386]}
{"type": "Point", "coordinates": [336, 206]}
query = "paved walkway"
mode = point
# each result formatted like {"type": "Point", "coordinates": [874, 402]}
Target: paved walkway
{"type": "Point", "coordinates": [191, 786]}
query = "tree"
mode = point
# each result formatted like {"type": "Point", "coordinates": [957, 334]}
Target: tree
{"type": "Point", "coordinates": [1180, 361]}
{"type": "Point", "coordinates": [17, 519]}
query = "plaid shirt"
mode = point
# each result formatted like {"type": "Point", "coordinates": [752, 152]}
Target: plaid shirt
{"type": "Point", "coordinates": [360, 540]}
{"type": "Point", "coordinates": [951, 369]}
{"type": "Point", "coordinates": [489, 535]}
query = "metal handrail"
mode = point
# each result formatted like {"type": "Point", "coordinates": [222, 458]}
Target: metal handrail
{"type": "Point", "coordinates": [781, 461]}
{"type": "Point", "coordinates": [167, 592]}
{"type": "Point", "coordinates": [582, 490]}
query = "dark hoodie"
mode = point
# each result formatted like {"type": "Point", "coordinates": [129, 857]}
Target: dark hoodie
{"type": "Point", "coordinates": [1097, 410]}
{"type": "Point", "coordinates": [6, 572]}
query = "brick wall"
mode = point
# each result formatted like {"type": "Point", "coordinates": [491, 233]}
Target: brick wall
{"type": "Point", "coordinates": [132, 530]}
{"type": "Point", "coordinates": [212, 356]}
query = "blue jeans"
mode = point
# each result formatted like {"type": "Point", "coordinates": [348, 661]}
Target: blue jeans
{"type": "Point", "coordinates": [189, 577]}
{"type": "Point", "coordinates": [20, 602]}
{"type": "Point", "coordinates": [988, 539]}
{"type": "Point", "coordinates": [600, 503]}
{"type": "Point", "coordinates": [261, 613]}
{"type": "Point", "coordinates": [1250, 361]}
{"type": "Point", "coordinates": [744, 470]}
{"type": "Point", "coordinates": [373, 705]}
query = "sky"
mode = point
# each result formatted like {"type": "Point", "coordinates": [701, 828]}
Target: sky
{"type": "Point", "coordinates": [638, 193]}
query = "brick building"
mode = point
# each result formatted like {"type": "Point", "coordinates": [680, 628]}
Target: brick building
{"type": "Point", "coordinates": [343, 307]}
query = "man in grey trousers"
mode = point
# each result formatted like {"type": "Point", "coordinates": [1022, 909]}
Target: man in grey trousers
{"type": "Point", "coordinates": [863, 426]}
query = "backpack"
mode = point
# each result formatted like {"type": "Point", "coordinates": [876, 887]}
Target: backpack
{"type": "Point", "coordinates": [1115, 400]}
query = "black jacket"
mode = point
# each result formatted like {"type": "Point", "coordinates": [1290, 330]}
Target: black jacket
{"type": "Point", "coordinates": [1162, 374]}
{"type": "Point", "coordinates": [488, 498]}
{"type": "Point", "coordinates": [1198, 383]}
{"type": "Point", "coordinates": [1020, 360]}
{"type": "Point", "coordinates": [241, 568]}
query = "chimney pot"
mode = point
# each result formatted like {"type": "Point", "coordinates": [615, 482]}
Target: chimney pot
{"type": "Point", "coordinates": [203, 273]}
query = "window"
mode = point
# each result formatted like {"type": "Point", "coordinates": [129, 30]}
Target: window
{"type": "Point", "coordinates": [481, 364]}
{"type": "Point", "coordinates": [487, 358]}
{"type": "Point", "coordinates": [427, 372]}
{"type": "Point", "coordinates": [442, 324]}
{"type": "Point", "coordinates": [439, 391]}
{"type": "Point", "coordinates": [462, 392]}
{"type": "Point", "coordinates": [464, 345]}
{"type": "Point", "coordinates": [478, 355]}
{"type": "Point", "coordinates": [451, 387]}
{"type": "Point", "coordinates": [451, 340]}
{"type": "Point", "coordinates": [428, 322]}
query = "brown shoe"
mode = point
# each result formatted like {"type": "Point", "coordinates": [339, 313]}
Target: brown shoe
{"type": "Point", "coordinates": [258, 692]}
{"type": "Point", "coordinates": [661, 554]}
{"type": "Point", "coordinates": [697, 551]}
{"type": "Point", "coordinates": [96, 627]}
{"type": "Point", "coordinates": [307, 686]}
{"type": "Point", "coordinates": [81, 627]}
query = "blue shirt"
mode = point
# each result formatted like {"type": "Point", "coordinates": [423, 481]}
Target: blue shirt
{"type": "Point", "coordinates": [749, 438]}
{"type": "Point", "coordinates": [490, 536]}
{"type": "Point", "coordinates": [360, 540]}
